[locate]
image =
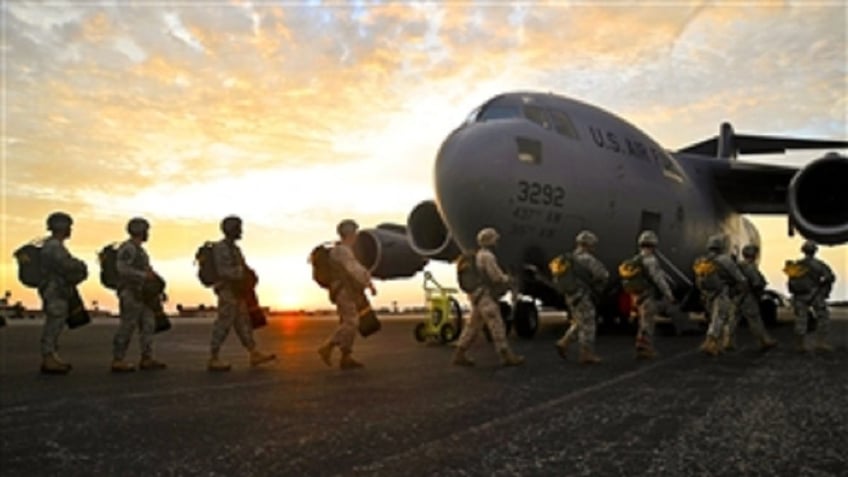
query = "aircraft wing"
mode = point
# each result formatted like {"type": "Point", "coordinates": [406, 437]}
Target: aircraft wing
{"type": "Point", "coordinates": [748, 144]}
{"type": "Point", "coordinates": [754, 188]}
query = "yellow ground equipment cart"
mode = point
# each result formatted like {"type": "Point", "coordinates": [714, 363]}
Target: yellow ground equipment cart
{"type": "Point", "coordinates": [444, 315]}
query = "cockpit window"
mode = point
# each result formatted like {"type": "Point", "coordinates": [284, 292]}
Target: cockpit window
{"type": "Point", "coordinates": [538, 115]}
{"type": "Point", "coordinates": [499, 112]}
{"type": "Point", "coordinates": [563, 125]}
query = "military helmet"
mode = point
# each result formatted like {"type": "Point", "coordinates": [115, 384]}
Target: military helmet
{"type": "Point", "coordinates": [586, 237]}
{"type": "Point", "coordinates": [750, 250]}
{"type": "Point", "coordinates": [137, 226]}
{"type": "Point", "coordinates": [648, 237]}
{"type": "Point", "coordinates": [230, 224]}
{"type": "Point", "coordinates": [716, 242]}
{"type": "Point", "coordinates": [809, 247]}
{"type": "Point", "coordinates": [59, 221]}
{"type": "Point", "coordinates": [346, 227]}
{"type": "Point", "coordinates": [487, 237]}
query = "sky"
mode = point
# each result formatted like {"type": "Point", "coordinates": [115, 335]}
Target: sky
{"type": "Point", "coordinates": [294, 115]}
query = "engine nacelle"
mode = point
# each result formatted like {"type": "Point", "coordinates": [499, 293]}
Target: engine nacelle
{"type": "Point", "coordinates": [428, 234]}
{"type": "Point", "coordinates": [386, 253]}
{"type": "Point", "coordinates": [818, 200]}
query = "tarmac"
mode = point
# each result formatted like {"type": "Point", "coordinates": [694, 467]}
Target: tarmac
{"type": "Point", "coordinates": [410, 413]}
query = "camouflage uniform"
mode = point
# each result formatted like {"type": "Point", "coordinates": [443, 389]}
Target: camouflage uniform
{"type": "Point", "coordinates": [484, 301]}
{"type": "Point", "coordinates": [749, 304]}
{"type": "Point", "coordinates": [581, 305]}
{"type": "Point", "coordinates": [718, 304]}
{"type": "Point", "coordinates": [815, 300]}
{"type": "Point", "coordinates": [57, 265]}
{"type": "Point", "coordinates": [133, 265]}
{"type": "Point", "coordinates": [345, 334]}
{"type": "Point", "coordinates": [232, 307]}
{"type": "Point", "coordinates": [646, 302]}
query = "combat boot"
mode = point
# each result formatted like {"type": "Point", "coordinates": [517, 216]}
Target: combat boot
{"type": "Point", "coordinates": [460, 358]}
{"type": "Point", "coordinates": [257, 357]}
{"type": "Point", "coordinates": [562, 349]}
{"type": "Point", "coordinates": [822, 346]}
{"type": "Point", "coordinates": [121, 366]}
{"type": "Point", "coordinates": [587, 356]}
{"type": "Point", "coordinates": [767, 343]}
{"type": "Point", "coordinates": [51, 364]}
{"type": "Point", "coordinates": [710, 346]}
{"type": "Point", "coordinates": [508, 358]}
{"type": "Point", "coordinates": [326, 353]}
{"type": "Point", "coordinates": [800, 345]}
{"type": "Point", "coordinates": [728, 343]}
{"type": "Point", "coordinates": [149, 364]}
{"type": "Point", "coordinates": [646, 352]}
{"type": "Point", "coordinates": [216, 364]}
{"type": "Point", "coordinates": [347, 362]}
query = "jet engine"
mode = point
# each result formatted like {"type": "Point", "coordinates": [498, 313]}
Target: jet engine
{"type": "Point", "coordinates": [428, 234]}
{"type": "Point", "coordinates": [818, 200]}
{"type": "Point", "coordinates": [386, 253]}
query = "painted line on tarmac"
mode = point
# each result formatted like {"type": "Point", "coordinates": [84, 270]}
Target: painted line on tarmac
{"type": "Point", "coordinates": [467, 435]}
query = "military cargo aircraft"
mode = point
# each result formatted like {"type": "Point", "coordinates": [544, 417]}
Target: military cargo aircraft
{"type": "Point", "coordinates": [541, 167]}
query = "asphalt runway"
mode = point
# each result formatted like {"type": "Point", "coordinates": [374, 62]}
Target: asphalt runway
{"type": "Point", "coordinates": [410, 413]}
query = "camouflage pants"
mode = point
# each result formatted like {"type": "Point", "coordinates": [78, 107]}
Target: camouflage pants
{"type": "Point", "coordinates": [720, 308]}
{"type": "Point", "coordinates": [647, 308]}
{"type": "Point", "coordinates": [345, 334]}
{"type": "Point", "coordinates": [582, 321]}
{"type": "Point", "coordinates": [55, 312]}
{"type": "Point", "coordinates": [748, 308]}
{"type": "Point", "coordinates": [232, 313]}
{"type": "Point", "coordinates": [134, 314]}
{"type": "Point", "coordinates": [485, 313]}
{"type": "Point", "coordinates": [802, 316]}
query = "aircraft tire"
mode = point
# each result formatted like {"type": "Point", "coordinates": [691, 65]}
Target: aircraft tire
{"type": "Point", "coordinates": [526, 319]}
{"type": "Point", "coordinates": [768, 312]}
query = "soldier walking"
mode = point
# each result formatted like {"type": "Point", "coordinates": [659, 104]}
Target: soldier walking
{"type": "Point", "coordinates": [484, 302]}
{"type": "Point", "coordinates": [61, 273]}
{"type": "Point", "coordinates": [590, 276]}
{"type": "Point", "coordinates": [133, 265]}
{"type": "Point", "coordinates": [352, 279]}
{"type": "Point", "coordinates": [748, 305]}
{"type": "Point", "coordinates": [232, 306]}
{"type": "Point", "coordinates": [643, 279]}
{"type": "Point", "coordinates": [810, 287]}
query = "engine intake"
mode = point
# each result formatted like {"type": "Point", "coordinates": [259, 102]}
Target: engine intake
{"type": "Point", "coordinates": [428, 234]}
{"type": "Point", "coordinates": [818, 200]}
{"type": "Point", "coordinates": [386, 253]}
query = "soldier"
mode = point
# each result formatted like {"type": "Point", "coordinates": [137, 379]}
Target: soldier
{"type": "Point", "coordinates": [580, 303]}
{"type": "Point", "coordinates": [817, 282]}
{"type": "Point", "coordinates": [134, 269]}
{"type": "Point", "coordinates": [715, 282]}
{"type": "Point", "coordinates": [351, 280]}
{"type": "Point", "coordinates": [484, 302]}
{"type": "Point", "coordinates": [647, 284]}
{"type": "Point", "coordinates": [232, 307]}
{"type": "Point", "coordinates": [748, 305]}
{"type": "Point", "coordinates": [61, 273]}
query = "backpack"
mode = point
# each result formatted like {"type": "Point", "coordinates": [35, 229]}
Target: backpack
{"type": "Point", "coordinates": [108, 257]}
{"type": "Point", "coordinates": [207, 273]}
{"type": "Point", "coordinates": [707, 274]}
{"type": "Point", "coordinates": [468, 276]}
{"type": "Point", "coordinates": [323, 271]}
{"type": "Point", "coordinates": [29, 264]}
{"type": "Point", "coordinates": [569, 275]}
{"type": "Point", "coordinates": [634, 278]}
{"type": "Point", "coordinates": [801, 279]}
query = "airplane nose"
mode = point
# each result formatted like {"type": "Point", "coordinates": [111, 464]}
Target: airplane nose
{"type": "Point", "coordinates": [473, 178]}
